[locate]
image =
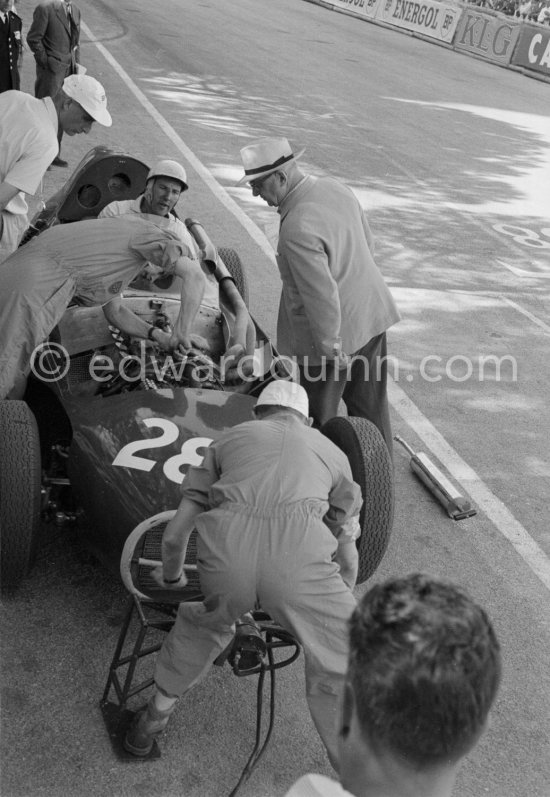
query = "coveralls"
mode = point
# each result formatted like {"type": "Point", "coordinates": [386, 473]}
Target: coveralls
{"type": "Point", "coordinates": [210, 296]}
{"type": "Point", "coordinates": [93, 259]}
{"type": "Point", "coordinates": [277, 496]}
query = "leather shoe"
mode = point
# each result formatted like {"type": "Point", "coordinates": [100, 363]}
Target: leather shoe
{"type": "Point", "coordinates": [60, 162]}
{"type": "Point", "coordinates": [146, 726]}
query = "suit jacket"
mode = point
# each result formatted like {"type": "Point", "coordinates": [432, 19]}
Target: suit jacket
{"type": "Point", "coordinates": [53, 38]}
{"type": "Point", "coordinates": [11, 48]}
{"type": "Point", "coordinates": [334, 297]}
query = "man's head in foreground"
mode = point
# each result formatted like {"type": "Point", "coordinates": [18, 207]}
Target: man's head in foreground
{"type": "Point", "coordinates": [80, 103]}
{"type": "Point", "coordinates": [424, 670]}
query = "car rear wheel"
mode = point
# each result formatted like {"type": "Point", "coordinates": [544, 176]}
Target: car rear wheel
{"type": "Point", "coordinates": [235, 268]}
{"type": "Point", "coordinates": [20, 481]}
{"type": "Point", "coordinates": [372, 469]}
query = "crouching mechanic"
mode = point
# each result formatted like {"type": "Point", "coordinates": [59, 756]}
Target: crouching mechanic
{"type": "Point", "coordinates": [276, 510]}
{"type": "Point", "coordinates": [424, 670]}
{"type": "Point", "coordinates": [165, 184]}
{"type": "Point", "coordinates": [93, 260]}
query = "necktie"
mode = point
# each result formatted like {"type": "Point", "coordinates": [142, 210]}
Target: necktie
{"type": "Point", "coordinates": [69, 10]}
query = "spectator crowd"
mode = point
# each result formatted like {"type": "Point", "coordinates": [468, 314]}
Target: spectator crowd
{"type": "Point", "coordinates": [527, 10]}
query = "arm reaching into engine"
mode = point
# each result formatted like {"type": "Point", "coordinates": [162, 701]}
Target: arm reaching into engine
{"type": "Point", "coordinates": [128, 322]}
{"type": "Point", "coordinates": [192, 289]}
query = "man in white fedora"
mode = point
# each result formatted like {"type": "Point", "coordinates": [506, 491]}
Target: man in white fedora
{"type": "Point", "coordinates": [28, 144]}
{"type": "Point", "coordinates": [276, 512]}
{"type": "Point", "coordinates": [335, 307]}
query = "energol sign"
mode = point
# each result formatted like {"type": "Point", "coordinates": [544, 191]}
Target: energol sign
{"type": "Point", "coordinates": [435, 19]}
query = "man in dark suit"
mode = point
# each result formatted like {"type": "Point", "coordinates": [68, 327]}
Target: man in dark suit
{"type": "Point", "coordinates": [11, 46]}
{"type": "Point", "coordinates": [54, 39]}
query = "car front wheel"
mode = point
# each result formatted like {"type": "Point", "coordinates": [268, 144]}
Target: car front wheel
{"type": "Point", "coordinates": [372, 469]}
{"type": "Point", "coordinates": [20, 482]}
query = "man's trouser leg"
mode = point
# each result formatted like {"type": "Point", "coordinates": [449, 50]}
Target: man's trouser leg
{"type": "Point", "coordinates": [363, 388]}
{"type": "Point", "coordinates": [365, 393]}
{"type": "Point", "coordinates": [310, 599]}
{"type": "Point", "coordinates": [48, 84]}
{"type": "Point", "coordinates": [324, 385]}
{"type": "Point", "coordinates": [202, 631]}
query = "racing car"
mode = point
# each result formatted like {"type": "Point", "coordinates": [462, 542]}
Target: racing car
{"type": "Point", "coordinates": [109, 425]}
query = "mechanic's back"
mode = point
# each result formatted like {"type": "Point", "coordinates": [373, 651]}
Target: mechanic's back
{"type": "Point", "coordinates": [253, 462]}
{"type": "Point", "coordinates": [276, 512]}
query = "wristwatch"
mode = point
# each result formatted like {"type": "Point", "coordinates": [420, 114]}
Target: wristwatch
{"type": "Point", "coordinates": [152, 328]}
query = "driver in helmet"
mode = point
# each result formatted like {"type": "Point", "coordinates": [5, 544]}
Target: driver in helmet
{"type": "Point", "coordinates": [165, 184]}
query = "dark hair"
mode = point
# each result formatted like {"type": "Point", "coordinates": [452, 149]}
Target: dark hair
{"type": "Point", "coordinates": [424, 669]}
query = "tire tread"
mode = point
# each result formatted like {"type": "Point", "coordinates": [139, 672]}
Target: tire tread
{"type": "Point", "coordinates": [236, 269]}
{"type": "Point", "coordinates": [372, 469]}
{"type": "Point", "coordinates": [19, 491]}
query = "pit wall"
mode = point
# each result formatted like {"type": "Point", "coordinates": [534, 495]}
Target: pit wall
{"type": "Point", "coordinates": [486, 34]}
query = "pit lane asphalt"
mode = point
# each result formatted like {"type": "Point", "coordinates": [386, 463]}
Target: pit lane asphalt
{"type": "Point", "coordinates": [60, 630]}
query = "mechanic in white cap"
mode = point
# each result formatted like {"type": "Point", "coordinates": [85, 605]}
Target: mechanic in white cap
{"type": "Point", "coordinates": [166, 182]}
{"type": "Point", "coordinates": [276, 510]}
{"type": "Point", "coordinates": [28, 144]}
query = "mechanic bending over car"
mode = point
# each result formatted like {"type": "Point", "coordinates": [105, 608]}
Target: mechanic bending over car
{"type": "Point", "coordinates": [277, 515]}
{"type": "Point", "coordinates": [28, 144]}
{"type": "Point", "coordinates": [93, 260]}
{"type": "Point", "coordinates": [165, 184]}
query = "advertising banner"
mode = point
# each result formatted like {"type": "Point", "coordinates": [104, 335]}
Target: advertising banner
{"type": "Point", "coordinates": [488, 36]}
{"type": "Point", "coordinates": [533, 49]}
{"type": "Point", "coordinates": [366, 8]}
{"type": "Point", "coordinates": [438, 20]}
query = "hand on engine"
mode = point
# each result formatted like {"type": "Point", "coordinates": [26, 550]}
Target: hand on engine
{"type": "Point", "coordinates": [163, 340]}
{"type": "Point", "coordinates": [235, 366]}
{"type": "Point", "coordinates": [182, 344]}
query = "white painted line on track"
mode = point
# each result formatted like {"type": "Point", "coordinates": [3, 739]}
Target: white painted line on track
{"type": "Point", "coordinates": [526, 313]}
{"type": "Point", "coordinates": [496, 511]}
{"type": "Point", "coordinates": [495, 294]}
{"type": "Point", "coordinates": [221, 195]}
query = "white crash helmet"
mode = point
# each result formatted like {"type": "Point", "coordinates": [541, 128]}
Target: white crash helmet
{"type": "Point", "coordinates": [172, 169]}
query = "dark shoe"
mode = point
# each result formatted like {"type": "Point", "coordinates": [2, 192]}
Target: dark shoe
{"type": "Point", "coordinates": [60, 162]}
{"type": "Point", "coordinates": [146, 726]}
